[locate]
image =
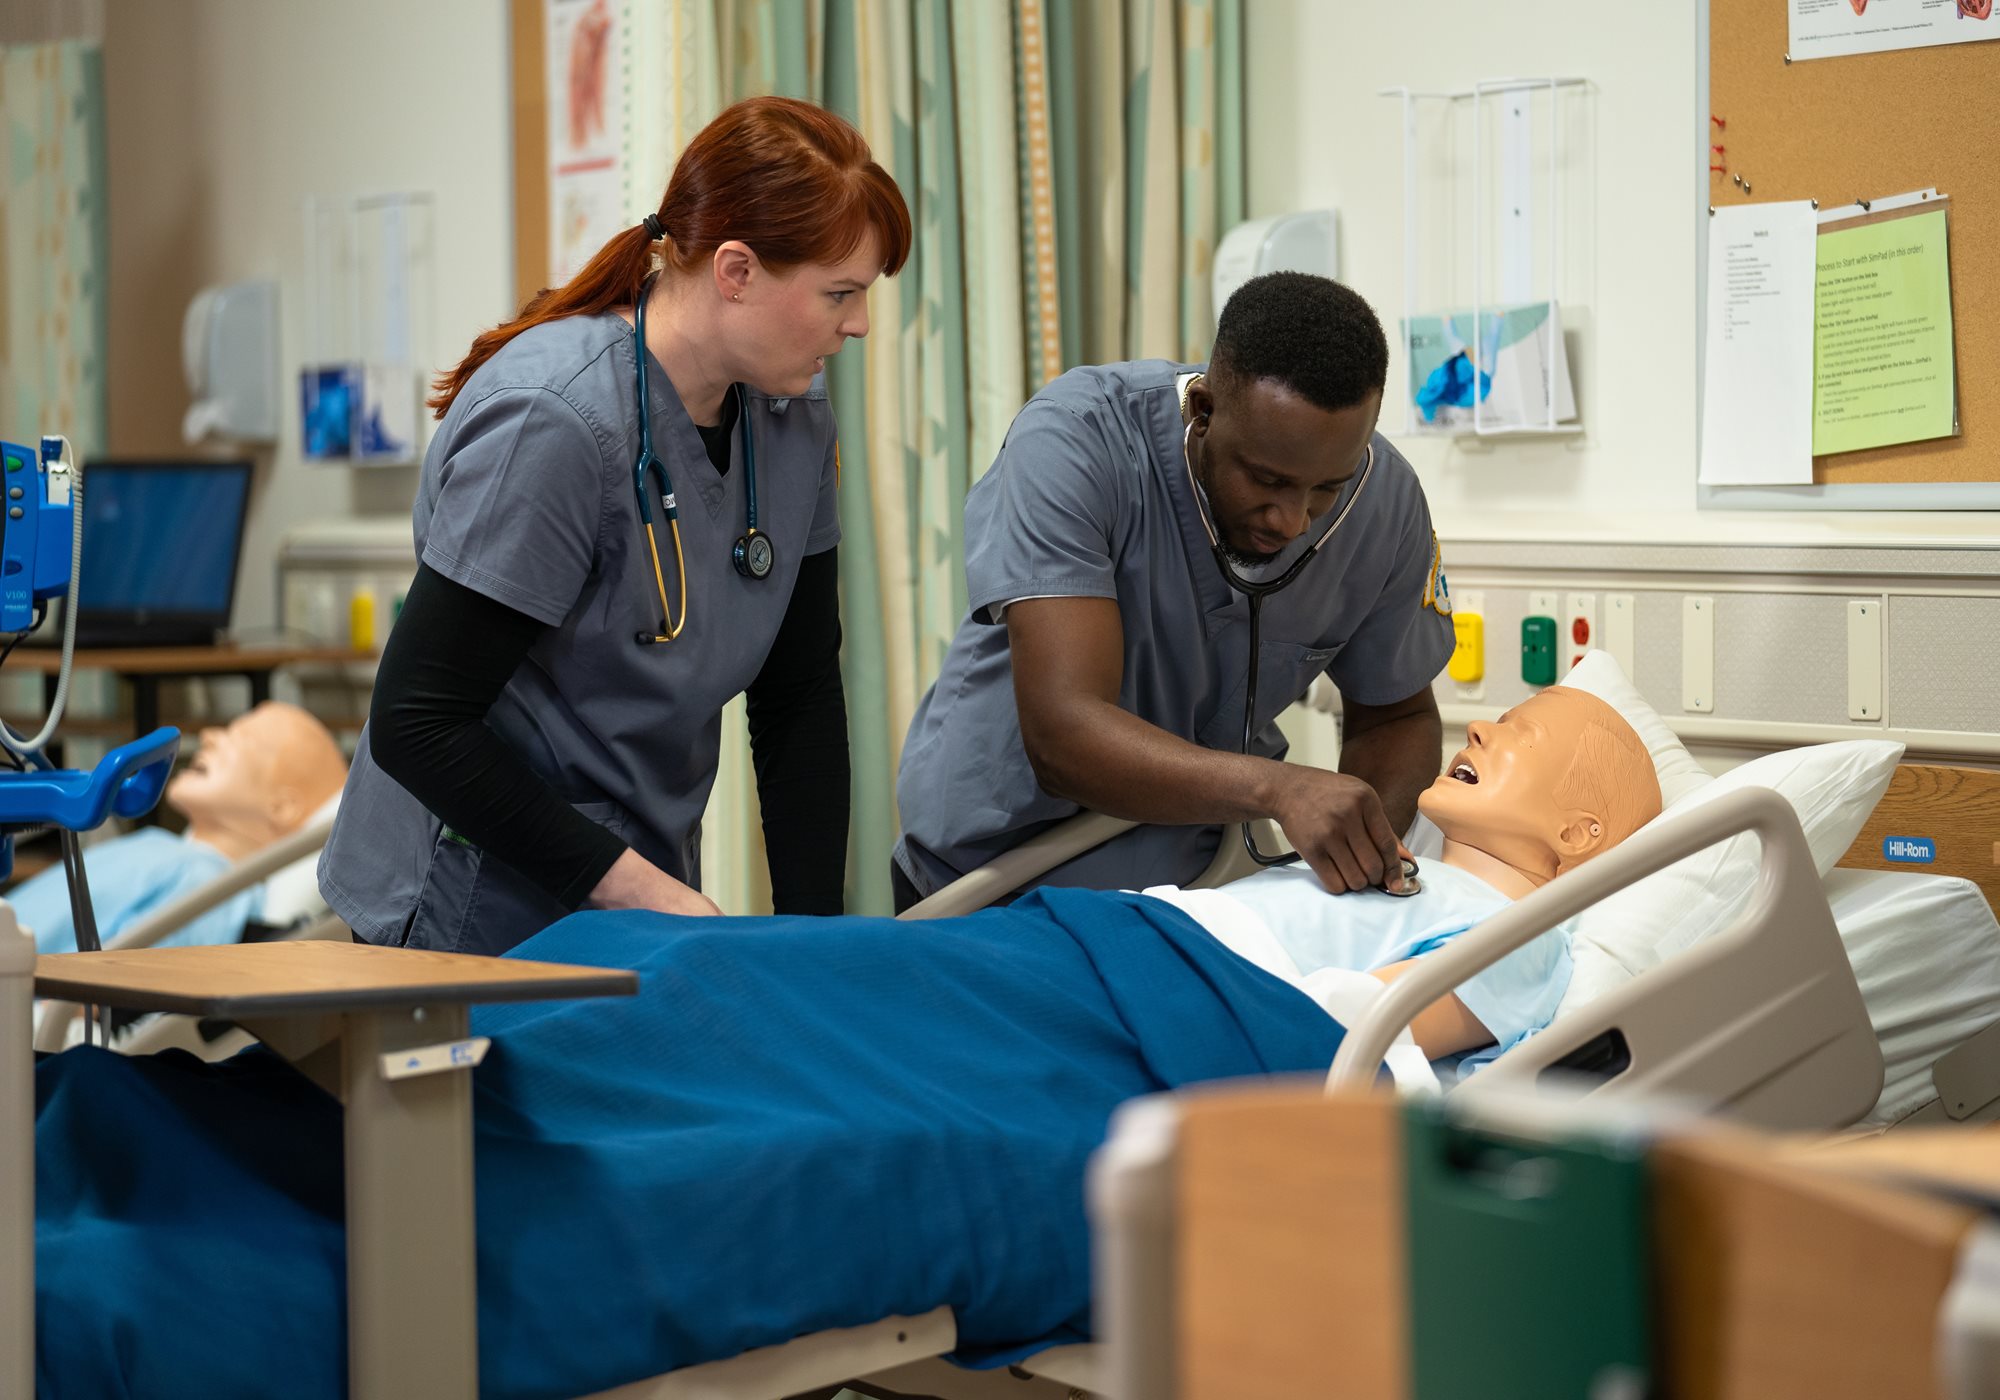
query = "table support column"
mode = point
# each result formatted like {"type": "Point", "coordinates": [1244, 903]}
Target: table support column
{"type": "Point", "coordinates": [17, 1158]}
{"type": "Point", "coordinates": [412, 1312]}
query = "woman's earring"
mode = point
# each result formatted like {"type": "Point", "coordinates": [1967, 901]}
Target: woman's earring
{"type": "Point", "coordinates": [736, 296]}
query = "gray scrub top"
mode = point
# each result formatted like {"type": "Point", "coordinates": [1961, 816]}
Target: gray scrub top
{"type": "Point", "coordinates": [1089, 497]}
{"type": "Point", "coordinates": [526, 496]}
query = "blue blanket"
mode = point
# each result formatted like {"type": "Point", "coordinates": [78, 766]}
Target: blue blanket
{"type": "Point", "coordinates": [796, 1124]}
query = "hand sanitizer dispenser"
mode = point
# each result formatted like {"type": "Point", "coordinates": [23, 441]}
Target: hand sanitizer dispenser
{"type": "Point", "coordinates": [229, 352]}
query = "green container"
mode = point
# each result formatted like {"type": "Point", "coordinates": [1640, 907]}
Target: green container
{"type": "Point", "coordinates": [1529, 1264]}
{"type": "Point", "coordinates": [1538, 650]}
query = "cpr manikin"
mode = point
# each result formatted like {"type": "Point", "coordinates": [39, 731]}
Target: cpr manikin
{"type": "Point", "coordinates": [250, 783]}
{"type": "Point", "coordinates": [257, 779]}
{"type": "Point", "coordinates": [1556, 781]}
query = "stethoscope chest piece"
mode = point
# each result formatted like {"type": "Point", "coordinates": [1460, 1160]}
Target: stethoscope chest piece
{"type": "Point", "coordinates": [753, 555]}
{"type": "Point", "coordinates": [1411, 884]}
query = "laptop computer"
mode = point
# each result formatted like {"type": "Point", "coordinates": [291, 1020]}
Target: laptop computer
{"type": "Point", "coordinates": [161, 544]}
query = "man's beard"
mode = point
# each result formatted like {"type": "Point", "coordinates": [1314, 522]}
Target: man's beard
{"type": "Point", "coordinates": [1243, 559]}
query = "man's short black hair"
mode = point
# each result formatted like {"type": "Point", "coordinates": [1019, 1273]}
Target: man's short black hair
{"type": "Point", "coordinates": [1311, 334]}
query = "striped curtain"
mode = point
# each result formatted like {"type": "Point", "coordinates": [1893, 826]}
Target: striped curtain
{"type": "Point", "coordinates": [1080, 231]}
{"type": "Point", "coordinates": [53, 239]}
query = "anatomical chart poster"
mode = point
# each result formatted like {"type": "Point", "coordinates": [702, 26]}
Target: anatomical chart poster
{"type": "Point", "coordinates": [586, 109]}
{"type": "Point", "coordinates": [1839, 28]}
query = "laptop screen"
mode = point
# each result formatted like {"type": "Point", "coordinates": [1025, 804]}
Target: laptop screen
{"type": "Point", "coordinates": [162, 539]}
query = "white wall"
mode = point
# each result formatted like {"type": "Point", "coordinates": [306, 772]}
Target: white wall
{"type": "Point", "coordinates": [223, 116]}
{"type": "Point", "coordinates": [1319, 134]}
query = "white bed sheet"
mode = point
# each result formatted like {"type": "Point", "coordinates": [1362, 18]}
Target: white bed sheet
{"type": "Point", "coordinates": [1926, 951]}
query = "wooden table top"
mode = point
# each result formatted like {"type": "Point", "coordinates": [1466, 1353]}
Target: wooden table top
{"type": "Point", "coordinates": [265, 979]}
{"type": "Point", "coordinates": [180, 661]}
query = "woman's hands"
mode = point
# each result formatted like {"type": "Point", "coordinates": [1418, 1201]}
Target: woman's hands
{"type": "Point", "coordinates": [633, 882]}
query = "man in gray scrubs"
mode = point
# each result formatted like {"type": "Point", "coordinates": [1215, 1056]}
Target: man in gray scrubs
{"type": "Point", "coordinates": [1102, 664]}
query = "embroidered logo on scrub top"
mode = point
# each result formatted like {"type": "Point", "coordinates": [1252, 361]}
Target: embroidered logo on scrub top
{"type": "Point", "coordinates": [1437, 596]}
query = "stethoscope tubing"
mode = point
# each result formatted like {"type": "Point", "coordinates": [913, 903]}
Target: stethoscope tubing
{"type": "Point", "coordinates": [650, 462]}
{"type": "Point", "coordinates": [1256, 593]}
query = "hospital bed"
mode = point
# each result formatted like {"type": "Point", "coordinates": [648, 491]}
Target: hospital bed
{"type": "Point", "coordinates": [1765, 1021]}
{"type": "Point", "coordinates": [1767, 1024]}
{"type": "Point", "coordinates": [1782, 966]}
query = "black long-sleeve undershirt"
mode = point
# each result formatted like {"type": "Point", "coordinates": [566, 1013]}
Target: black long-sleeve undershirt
{"type": "Point", "coordinates": [798, 741]}
{"type": "Point", "coordinates": [452, 652]}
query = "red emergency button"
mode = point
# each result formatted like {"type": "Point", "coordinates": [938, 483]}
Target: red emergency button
{"type": "Point", "coordinates": [1579, 631]}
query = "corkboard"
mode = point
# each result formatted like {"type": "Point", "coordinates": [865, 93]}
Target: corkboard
{"type": "Point", "coordinates": [529, 82]}
{"type": "Point", "coordinates": [1877, 124]}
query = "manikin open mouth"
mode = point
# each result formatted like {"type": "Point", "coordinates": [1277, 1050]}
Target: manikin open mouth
{"type": "Point", "coordinates": [1464, 773]}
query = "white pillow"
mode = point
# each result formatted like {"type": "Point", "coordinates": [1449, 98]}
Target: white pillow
{"type": "Point", "coordinates": [291, 893]}
{"type": "Point", "coordinates": [1600, 675]}
{"type": "Point", "coordinates": [1833, 788]}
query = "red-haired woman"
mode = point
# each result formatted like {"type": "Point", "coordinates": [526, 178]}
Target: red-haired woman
{"type": "Point", "coordinates": [627, 518]}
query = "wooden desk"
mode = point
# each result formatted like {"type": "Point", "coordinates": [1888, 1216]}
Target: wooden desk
{"type": "Point", "coordinates": [382, 1029]}
{"type": "Point", "coordinates": [143, 668]}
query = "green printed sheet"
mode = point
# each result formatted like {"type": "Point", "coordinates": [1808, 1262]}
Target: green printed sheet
{"type": "Point", "coordinates": [1882, 350]}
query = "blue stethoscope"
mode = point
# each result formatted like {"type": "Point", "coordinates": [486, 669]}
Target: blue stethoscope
{"type": "Point", "coordinates": [1257, 592]}
{"type": "Point", "coordinates": [752, 555]}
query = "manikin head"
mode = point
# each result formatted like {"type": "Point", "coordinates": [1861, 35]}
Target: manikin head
{"type": "Point", "coordinates": [1283, 417]}
{"type": "Point", "coordinates": [257, 779]}
{"type": "Point", "coordinates": [1558, 779]}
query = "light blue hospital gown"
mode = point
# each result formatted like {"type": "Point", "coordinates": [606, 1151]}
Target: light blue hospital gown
{"type": "Point", "coordinates": [1364, 931]}
{"type": "Point", "coordinates": [132, 876]}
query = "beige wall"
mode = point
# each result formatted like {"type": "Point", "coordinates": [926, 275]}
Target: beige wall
{"type": "Point", "coordinates": [223, 116]}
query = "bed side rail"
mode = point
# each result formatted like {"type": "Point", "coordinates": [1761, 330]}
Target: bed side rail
{"type": "Point", "coordinates": [1010, 870]}
{"type": "Point", "coordinates": [253, 869]}
{"type": "Point", "coordinates": [1065, 841]}
{"type": "Point", "coordinates": [1764, 1022]}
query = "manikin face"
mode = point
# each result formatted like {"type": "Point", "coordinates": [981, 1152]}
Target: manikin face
{"type": "Point", "coordinates": [791, 322]}
{"type": "Point", "coordinates": [1498, 793]}
{"type": "Point", "coordinates": [265, 769]}
{"type": "Point", "coordinates": [1271, 461]}
{"type": "Point", "coordinates": [229, 770]}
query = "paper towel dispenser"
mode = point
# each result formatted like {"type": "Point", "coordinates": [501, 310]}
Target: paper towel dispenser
{"type": "Point", "coordinates": [1306, 241]}
{"type": "Point", "coordinates": [229, 353]}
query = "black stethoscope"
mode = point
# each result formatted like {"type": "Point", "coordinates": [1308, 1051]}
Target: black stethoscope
{"type": "Point", "coordinates": [752, 555]}
{"type": "Point", "coordinates": [1257, 593]}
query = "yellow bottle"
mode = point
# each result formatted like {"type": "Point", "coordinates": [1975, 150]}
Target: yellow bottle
{"type": "Point", "coordinates": [361, 620]}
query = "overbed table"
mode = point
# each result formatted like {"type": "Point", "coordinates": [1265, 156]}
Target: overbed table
{"type": "Point", "coordinates": [382, 1029]}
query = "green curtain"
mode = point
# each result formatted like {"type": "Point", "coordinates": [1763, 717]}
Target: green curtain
{"type": "Point", "coordinates": [1080, 230]}
{"type": "Point", "coordinates": [53, 247]}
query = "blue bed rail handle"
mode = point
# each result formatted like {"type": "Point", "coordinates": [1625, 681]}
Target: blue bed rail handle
{"type": "Point", "coordinates": [126, 782]}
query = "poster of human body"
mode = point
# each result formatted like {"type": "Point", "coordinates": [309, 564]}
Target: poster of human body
{"type": "Point", "coordinates": [1839, 28]}
{"type": "Point", "coordinates": [586, 127]}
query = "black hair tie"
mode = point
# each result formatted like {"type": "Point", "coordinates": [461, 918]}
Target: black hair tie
{"type": "Point", "coordinates": [654, 227]}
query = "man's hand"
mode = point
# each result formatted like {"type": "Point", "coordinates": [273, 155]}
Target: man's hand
{"type": "Point", "coordinates": [1068, 656]}
{"type": "Point", "coordinates": [1337, 825]}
